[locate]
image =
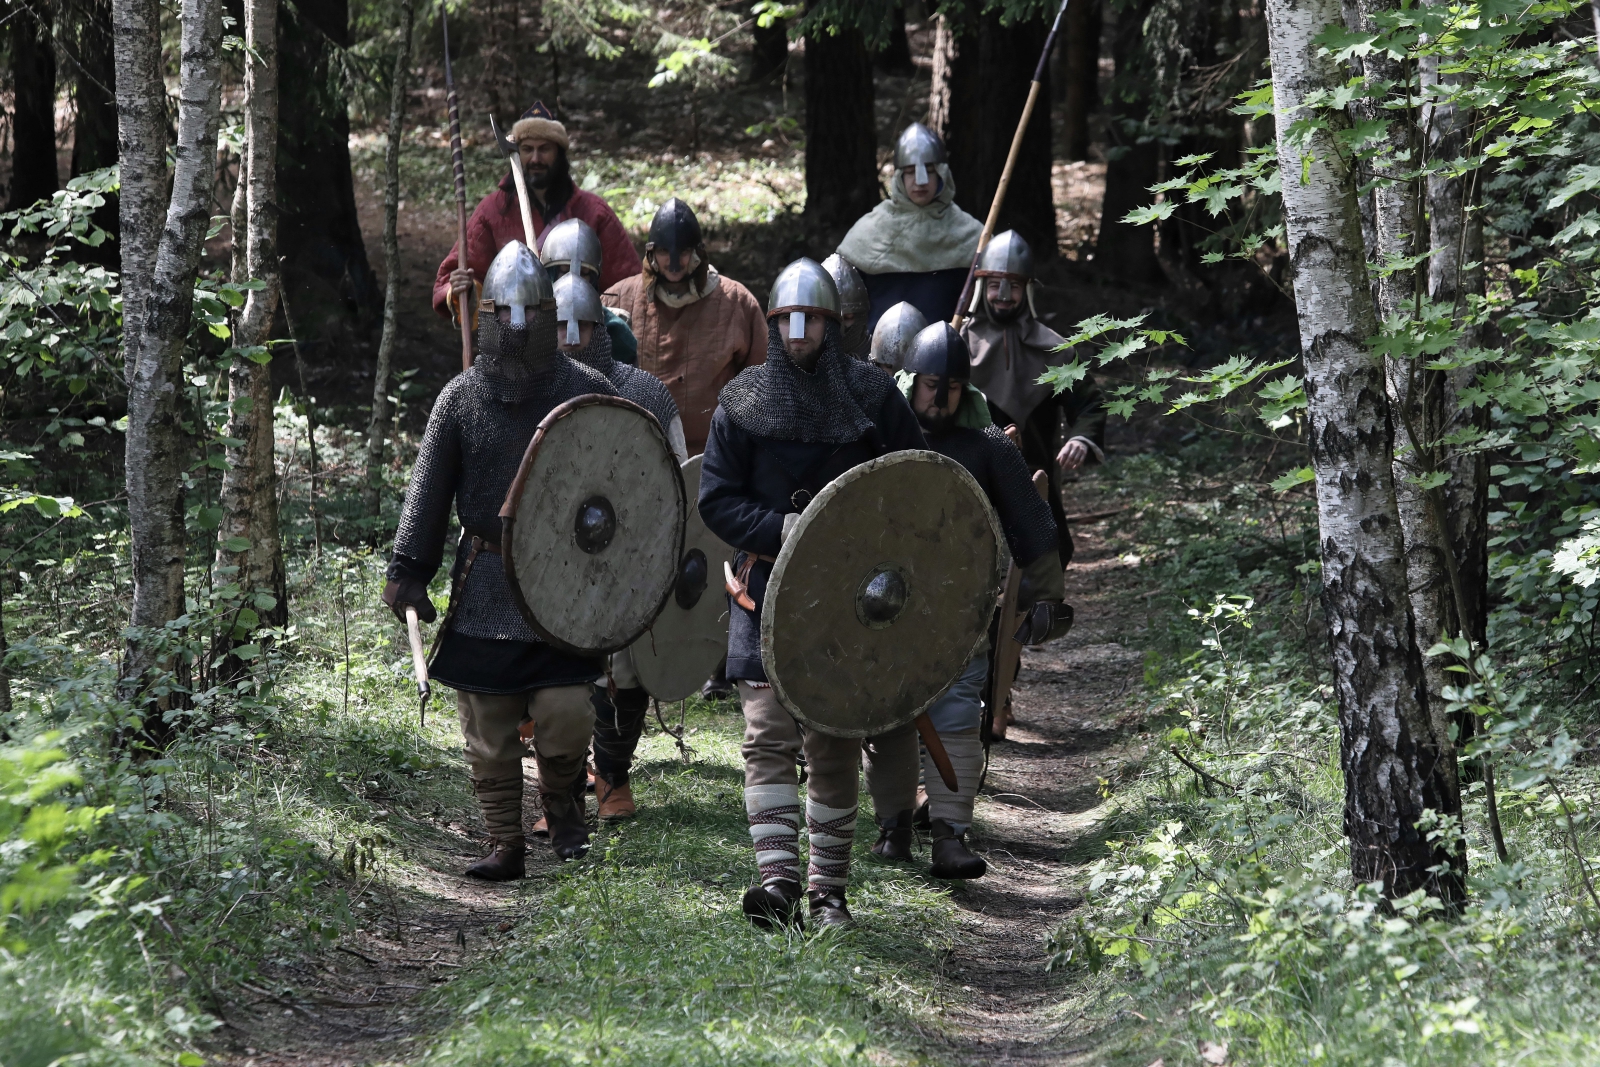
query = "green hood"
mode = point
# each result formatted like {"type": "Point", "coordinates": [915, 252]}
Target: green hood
{"type": "Point", "coordinates": [973, 414]}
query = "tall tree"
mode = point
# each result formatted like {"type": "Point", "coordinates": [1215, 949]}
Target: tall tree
{"type": "Point", "coordinates": [1133, 158]}
{"type": "Point", "coordinates": [33, 121]}
{"type": "Point", "coordinates": [391, 265]}
{"type": "Point", "coordinates": [249, 550]}
{"type": "Point", "coordinates": [983, 70]}
{"type": "Point", "coordinates": [159, 298]}
{"type": "Point", "coordinates": [841, 135]}
{"type": "Point", "coordinates": [94, 131]}
{"type": "Point", "coordinates": [1080, 74]}
{"type": "Point", "coordinates": [1397, 766]}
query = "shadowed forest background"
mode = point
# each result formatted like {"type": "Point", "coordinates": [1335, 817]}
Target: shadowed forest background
{"type": "Point", "coordinates": [226, 837]}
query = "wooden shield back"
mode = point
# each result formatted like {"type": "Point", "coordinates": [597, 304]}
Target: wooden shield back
{"type": "Point", "coordinates": [684, 645]}
{"type": "Point", "coordinates": [594, 451]}
{"type": "Point", "coordinates": [916, 514]}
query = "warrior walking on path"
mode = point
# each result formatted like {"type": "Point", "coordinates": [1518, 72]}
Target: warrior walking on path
{"type": "Point", "coordinates": [936, 381]}
{"type": "Point", "coordinates": [542, 144]}
{"type": "Point", "coordinates": [782, 431]}
{"type": "Point", "coordinates": [696, 328]}
{"type": "Point", "coordinates": [917, 245]}
{"type": "Point", "coordinates": [573, 246]}
{"type": "Point", "coordinates": [502, 672]}
{"type": "Point", "coordinates": [1010, 349]}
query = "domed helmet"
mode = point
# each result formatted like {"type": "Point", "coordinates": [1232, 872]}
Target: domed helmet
{"type": "Point", "coordinates": [853, 298]}
{"type": "Point", "coordinates": [939, 349]}
{"type": "Point", "coordinates": [1008, 258]}
{"type": "Point", "coordinates": [803, 288]}
{"type": "Point", "coordinates": [571, 246]}
{"type": "Point", "coordinates": [896, 330]}
{"type": "Point", "coordinates": [920, 147]}
{"type": "Point", "coordinates": [516, 280]}
{"type": "Point", "coordinates": [674, 230]}
{"type": "Point", "coordinates": [576, 302]}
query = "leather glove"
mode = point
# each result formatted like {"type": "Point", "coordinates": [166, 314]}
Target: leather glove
{"type": "Point", "coordinates": [1045, 621]}
{"type": "Point", "coordinates": [399, 592]}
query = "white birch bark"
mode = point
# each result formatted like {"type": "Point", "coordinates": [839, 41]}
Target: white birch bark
{"type": "Point", "coordinates": [141, 155]}
{"type": "Point", "coordinates": [163, 306]}
{"type": "Point", "coordinates": [1396, 766]}
{"type": "Point", "coordinates": [249, 495]}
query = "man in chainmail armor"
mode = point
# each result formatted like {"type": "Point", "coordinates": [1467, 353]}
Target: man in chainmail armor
{"type": "Point", "coordinates": [573, 246]}
{"type": "Point", "coordinates": [502, 672]}
{"type": "Point", "coordinates": [781, 431]}
{"type": "Point", "coordinates": [955, 419]}
{"type": "Point", "coordinates": [621, 701]}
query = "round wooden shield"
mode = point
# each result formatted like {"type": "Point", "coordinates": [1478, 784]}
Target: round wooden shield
{"type": "Point", "coordinates": [593, 525]}
{"type": "Point", "coordinates": [690, 636]}
{"type": "Point", "coordinates": [881, 593]}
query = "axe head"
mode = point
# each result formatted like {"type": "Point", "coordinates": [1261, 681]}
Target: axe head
{"type": "Point", "coordinates": [507, 148]}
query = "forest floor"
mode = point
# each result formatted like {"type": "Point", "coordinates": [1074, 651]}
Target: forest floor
{"type": "Point", "coordinates": [978, 994]}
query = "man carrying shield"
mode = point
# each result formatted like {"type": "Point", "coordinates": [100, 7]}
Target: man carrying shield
{"type": "Point", "coordinates": [621, 702]}
{"type": "Point", "coordinates": [782, 431]}
{"type": "Point", "coordinates": [936, 381]}
{"type": "Point", "coordinates": [502, 672]}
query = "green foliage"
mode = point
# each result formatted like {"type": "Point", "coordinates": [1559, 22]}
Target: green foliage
{"type": "Point", "coordinates": [35, 826]}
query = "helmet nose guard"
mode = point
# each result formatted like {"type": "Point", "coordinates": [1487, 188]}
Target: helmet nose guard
{"type": "Point", "coordinates": [572, 246]}
{"type": "Point", "coordinates": [803, 288]}
{"type": "Point", "coordinates": [518, 281]}
{"type": "Point", "coordinates": [576, 302]}
{"type": "Point", "coordinates": [674, 230]}
{"type": "Point", "coordinates": [920, 147]}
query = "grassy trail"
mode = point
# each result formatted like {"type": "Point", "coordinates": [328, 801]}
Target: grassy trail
{"type": "Point", "coordinates": [638, 954]}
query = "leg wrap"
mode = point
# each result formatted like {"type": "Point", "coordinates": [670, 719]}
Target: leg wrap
{"type": "Point", "coordinates": [966, 756]}
{"type": "Point", "coordinates": [832, 830]}
{"type": "Point", "coordinates": [501, 801]}
{"type": "Point", "coordinates": [774, 813]}
{"type": "Point", "coordinates": [618, 723]}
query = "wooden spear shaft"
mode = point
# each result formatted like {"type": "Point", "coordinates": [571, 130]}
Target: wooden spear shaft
{"type": "Point", "coordinates": [1011, 163]}
{"type": "Point", "coordinates": [458, 160]}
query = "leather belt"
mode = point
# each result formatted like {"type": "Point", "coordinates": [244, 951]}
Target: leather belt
{"type": "Point", "coordinates": [738, 584]}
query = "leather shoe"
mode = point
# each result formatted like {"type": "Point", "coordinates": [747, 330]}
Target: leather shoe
{"type": "Point", "coordinates": [504, 864]}
{"type": "Point", "coordinates": [951, 857]}
{"type": "Point", "coordinates": [616, 801]}
{"type": "Point", "coordinates": [569, 835]}
{"type": "Point", "coordinates": [828, 909]}
{"type": "Point", "coordinates": [774, 905]}
{"type": "Point", "coordinates": [894, 839]}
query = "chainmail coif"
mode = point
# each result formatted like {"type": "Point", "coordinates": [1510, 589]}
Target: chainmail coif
{"type": "Point", "coordinates": [631, 383]}
{"type": "Point", "coordinates": [518, 362]}
{"type": "Point", "coordinates": [857, 341]}
{"type": "Point", "coordinates": [832, 404]}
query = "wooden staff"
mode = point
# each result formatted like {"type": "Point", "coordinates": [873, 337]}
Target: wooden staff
{"type": "Point", "coordinates": [460, 164]}
{"type": "Point", "coordinates": [1005, 175]}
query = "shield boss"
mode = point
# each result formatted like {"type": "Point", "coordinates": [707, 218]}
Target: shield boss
{"type": "Point", "coordinates": [881, 594]}
{"type": "Point", "coordinates": [690, 636]}
{"type": "Point", "coordinates": [593, 525]}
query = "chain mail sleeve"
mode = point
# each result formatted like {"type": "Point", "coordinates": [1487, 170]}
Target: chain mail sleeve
{"type": "Point", "coordinates": [729, 509]}
{"type": "Point", "coordinates": [1029, 526]}
{"type": "Point", "coordinates": [419, 542]}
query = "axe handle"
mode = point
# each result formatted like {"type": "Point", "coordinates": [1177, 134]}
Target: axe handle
{"type": "Point", "coordinates": [522, 201]}
{"type": "Point", "coordinates": [935, 747]}
{"type": "Point", "coordinates": [419, 659]}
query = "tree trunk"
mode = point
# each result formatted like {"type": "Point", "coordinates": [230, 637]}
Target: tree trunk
{"type": "Point", "coordinates": [1133, 161]}
{"type": "Point", "coordinates": [94, 132]}
{"type": "Point", "coordinates": [141, 156]}
{"type": "Point", "coordinates": [391, 270]}
{"type": "Point", "coordinates": [249, 496]}
{"type": "Point", "coordinates": [982, 74]}
{"type": "Point", "coordinates": [1080, 73]}
{"type": "Point", "coordinates": [841, 135]}
{"type": "Point", "coordinates": [33, 122]}
{"type": "Point", "coordinates": [771, 51]}
{"type": "Point", "coordinates": [5, 673]}
{"type": "Point", "coordinates": [157, 449]}
{"type": "Point", "coordinates": [319, 233]}
{"type": "Point", "coordinates": [1397, 767]}
{"type": "Point", "coordinates": [895, 56]}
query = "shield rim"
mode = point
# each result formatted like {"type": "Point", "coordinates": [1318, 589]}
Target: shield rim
{"type": "Point", "coordinates": [508, 518]}
{"type": "Point", "coordinates": [814, 508]}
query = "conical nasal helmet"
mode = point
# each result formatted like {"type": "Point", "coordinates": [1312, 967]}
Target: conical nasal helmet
{"type": "Point", "coordinates": [576, 302]}
{"type": "Point", "coordinates": [853, 298]}
{"type": "Point", "coordinates": [920, 147]}
{"type": "Point", "coordinates": [518, 281]}
{"type": "Point", "coordinates": [571, 246]}
{"type": "Point", "coordinates": [896, 330]}
{"type": "Point", "coordinates": [803, 288]}
{"type": "Point", "coordinates": [674, 230]}
{"type": "Point", "coordinates": [1008, 258]}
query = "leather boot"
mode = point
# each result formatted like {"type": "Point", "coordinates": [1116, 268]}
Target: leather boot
{"type": "Point", "coordinates": [774, 905]}
{"type": "Point", "coordinates": [616, 801]}
{"type": "Point", "coordinates": [894, 838]}
{"type": "Point", "coordinates": [569, 835]}
{"type": "Point", "coordinates": [919, 817]}
{"type": "Point", "coordinates": [828, 909]}
{"type": "Point", "coordinates": [542, 827]}
{"type": "Point", "coordinates": [717, 687]}
{"type": "Point", "coordinates": [951, 857]}
{"type": "Point", "coordinates": [504, 864]}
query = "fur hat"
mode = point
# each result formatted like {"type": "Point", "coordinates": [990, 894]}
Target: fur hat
{"type": "Point", "coordinates": [539, 123]}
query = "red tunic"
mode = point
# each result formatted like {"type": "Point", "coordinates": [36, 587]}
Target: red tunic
{"type": "Point", "coordinates": [498, 220]}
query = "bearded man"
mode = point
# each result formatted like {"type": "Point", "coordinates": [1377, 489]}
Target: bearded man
{"type": "Point", "coordinates": [782, 431]}
{"type": "Point", "coordinates": [1010, 349]}
{"type": "Point", "coordinates": [916, 245]}
{"type": "Point", "coordinates": [502, 672]}
{"type": "Point", "coordinates": [936, 382]}
{"type": "Point", "coordinates": [696, 328]}
{"type": "Point", "coordinates": [542, 148]}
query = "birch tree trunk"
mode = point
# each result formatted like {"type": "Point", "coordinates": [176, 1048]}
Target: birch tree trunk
{"type": "Point", "coordinates": [249, 551]}
{"type": "Point", "coordinates": [391, 270]}
{"type": "Point", "coordinates": [161, 296]}
{"type": "Point", "coordinates": [1396, 765]}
